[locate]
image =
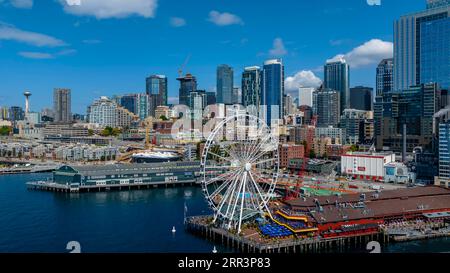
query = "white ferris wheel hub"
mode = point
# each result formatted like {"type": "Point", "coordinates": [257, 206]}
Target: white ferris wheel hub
{"type": "Point", "coordinates": [248, 167]}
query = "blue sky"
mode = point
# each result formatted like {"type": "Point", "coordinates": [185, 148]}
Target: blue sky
{"type": "Point", "coordinates": [103, 49]}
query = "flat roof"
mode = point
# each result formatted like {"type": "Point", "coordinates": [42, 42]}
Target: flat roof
{"type": "Point", "coordinates": [93, 170]}
{"type": "Point", "coordinates": [370, 196]}
{"type": "Point", "coordinates": [390, 203]}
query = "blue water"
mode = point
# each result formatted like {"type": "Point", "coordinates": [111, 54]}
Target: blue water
{"type": "Point", "coordinates": [127, 221]}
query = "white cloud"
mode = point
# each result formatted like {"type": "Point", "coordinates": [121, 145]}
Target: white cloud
{"type": "Point", "coordinates": [36, 55]}
{"type": "Point", "coordinates": [66, 52]}
{"type": "Point", "coordinates": [304, 78]}
{"type": "Point", "coordinates": [370, 52]}
{"type": "Point", "coordinates": [224, 19]}
{"type": "Point", "coordinates": [278, 48]}
{"type": "Point", "coordinates": [102, 9]}
{"type": "Point", "coordinates": [22, 4]}
{"type": "Point", "coordinates": [8, 32]}
{"type": "Point", "coordinates": [46, 55]}
{"type": "Point", "coordinates": [177, 22]}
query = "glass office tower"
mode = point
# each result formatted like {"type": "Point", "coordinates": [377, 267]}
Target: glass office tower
{"type": "Point", "coordinates": [273, 90]}
{"type": "Point", "coordinates": [225, 84]}
{"type": "Point", "coordinates": [337, 77]}
{"type": "Point", "coordinates": [421, 44]}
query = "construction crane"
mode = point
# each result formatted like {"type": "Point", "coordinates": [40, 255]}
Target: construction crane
{"type": "Point", "coordinates": [181, 69]}
{"type": "Point", "coordinates": [148, 123]}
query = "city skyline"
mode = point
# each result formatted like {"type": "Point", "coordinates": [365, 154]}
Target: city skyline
{"type": "Point", "coordinates": [86, 45]}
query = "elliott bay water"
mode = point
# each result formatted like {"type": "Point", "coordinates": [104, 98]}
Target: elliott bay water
{"type": "Point", "coordinates": [126, 221]}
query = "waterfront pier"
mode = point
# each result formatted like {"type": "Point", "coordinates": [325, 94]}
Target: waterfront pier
{"type": "Point", "coordinates": [197, 225]}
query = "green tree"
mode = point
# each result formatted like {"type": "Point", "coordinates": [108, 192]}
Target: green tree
{"type": "Point", "coordinates": [354, 148]}
{"type": "Point", "coordinates": [116, 132]}
{"type": "Point", "coordinates": [312, 154]}
{"type": "Point", "coordinates": [5, 130]}
{"type": "Point", "coordinates": [106, 132]}
{"type": "Point", "coordinates": [163, 117]}
{"type": "Point", "coordinates": [90, 132]}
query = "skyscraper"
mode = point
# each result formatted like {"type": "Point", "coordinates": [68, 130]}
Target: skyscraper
{"type": "Point", "coordinates": [326, 107]}
{"type": "Point", "coordinates": [337, 77]}
{"type": "Point", "coordinates": [156, 89]}
{"type": "Point", "coordinates": [225, 84]}
{"type": "Point", "coordinates": [444, 154]}
{"type": "Point", "coordinates": [251, 89]}
{"type": "Point", "coordinates": [421, 46]}
{"type": "Point", "coordinates": [129, 102]}
{"type": "Point", "coordinates": [62, 103]}
{"type": "Point", "coordinates": [237, 95]}
{"type": "Point", "coordinates": [414, 107]}
{"type": "Point", "coordinates": [16, 113]}
{"type": "Point", "coordinates": [361, 98]}
{"type": "Point", "coordinates": [211, 98]}
{"type": "Point", "coordinates": [188, 84]}
{"type": "Point", "coordinates": [385, 72]}
{"type": "Point", "coordinates": [197, 103]}
{"type": "Point", "coordinates": [273, 89]}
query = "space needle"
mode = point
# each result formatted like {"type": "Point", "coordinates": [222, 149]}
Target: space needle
{"type": "Point", "coordinates": [27, 95]}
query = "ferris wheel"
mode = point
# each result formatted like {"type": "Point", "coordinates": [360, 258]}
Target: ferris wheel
{"type": "Point", "coordinates": [240, 166]}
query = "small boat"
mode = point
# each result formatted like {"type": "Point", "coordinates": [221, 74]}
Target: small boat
{"type": "Point", "coordinates": [174, 230]}
{"type": "Point", "coordinates": [214, 250]}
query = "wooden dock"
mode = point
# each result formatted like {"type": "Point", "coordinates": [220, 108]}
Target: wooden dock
{"type": "Point", "coordinates": [55, 187]}
{"type": "Point", "coordinates": [196, 226]}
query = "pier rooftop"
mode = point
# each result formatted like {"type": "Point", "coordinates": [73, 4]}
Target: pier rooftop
{"type": "Point", "coordinates": [409, 202]}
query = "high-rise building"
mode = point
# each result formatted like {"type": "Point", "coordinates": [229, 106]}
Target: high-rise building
{"type": "Point", "coordinates": [385, 73]}
{"type": "Point", "coordinates": [289, 107]}
{"type": "Point", "coordinates": [62, 105]}
{"type": "Point", "coordinates": [156, 89]}
{"type": "Point", "coordinates": [106, 113]}
{"type": "Point", "coordinates": [225, 84]}
{"type": "Point", "coordinates": [305, 95]}
{"type": "Point", "coordinates": [355, 123]}
{"type": "Point", "coordinates": [444, 154]}
{"type": "Point", "coordinates": [414, 107]}
{"type": "Point", "coordinates": [188, 84]}
{"type": "Point", "coordinates": [211, 98]}
{"type": "Point", "coordinates": [251, 88]}
{"type": "Point", "coordinates": [337, 77]}
{"type": "Point", "coordinates": [4, 113]}
{"type": "Point", "coordinates": [143, 106]}
{"type": "Point", "coordinates": [421, 46]}
{"type": "Point", "coordinates": [307, 113]}
{"type": "Point", "coordinates": [197, 103]}
{"type": "Point", "coordinates": [326, 107]}
{"type": "Point", "coordinates": [237, 95]}
{"type": "Point", "coordinates": [273, 90]}
{"type": "Point", "coordinates": [361, 98]}
{"type": "Point", "coordinates": [437, 3]}
{"type": "Point", "coordinates": [129, 102]}
{"type": "Point", "coordinates": [16, 113]}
